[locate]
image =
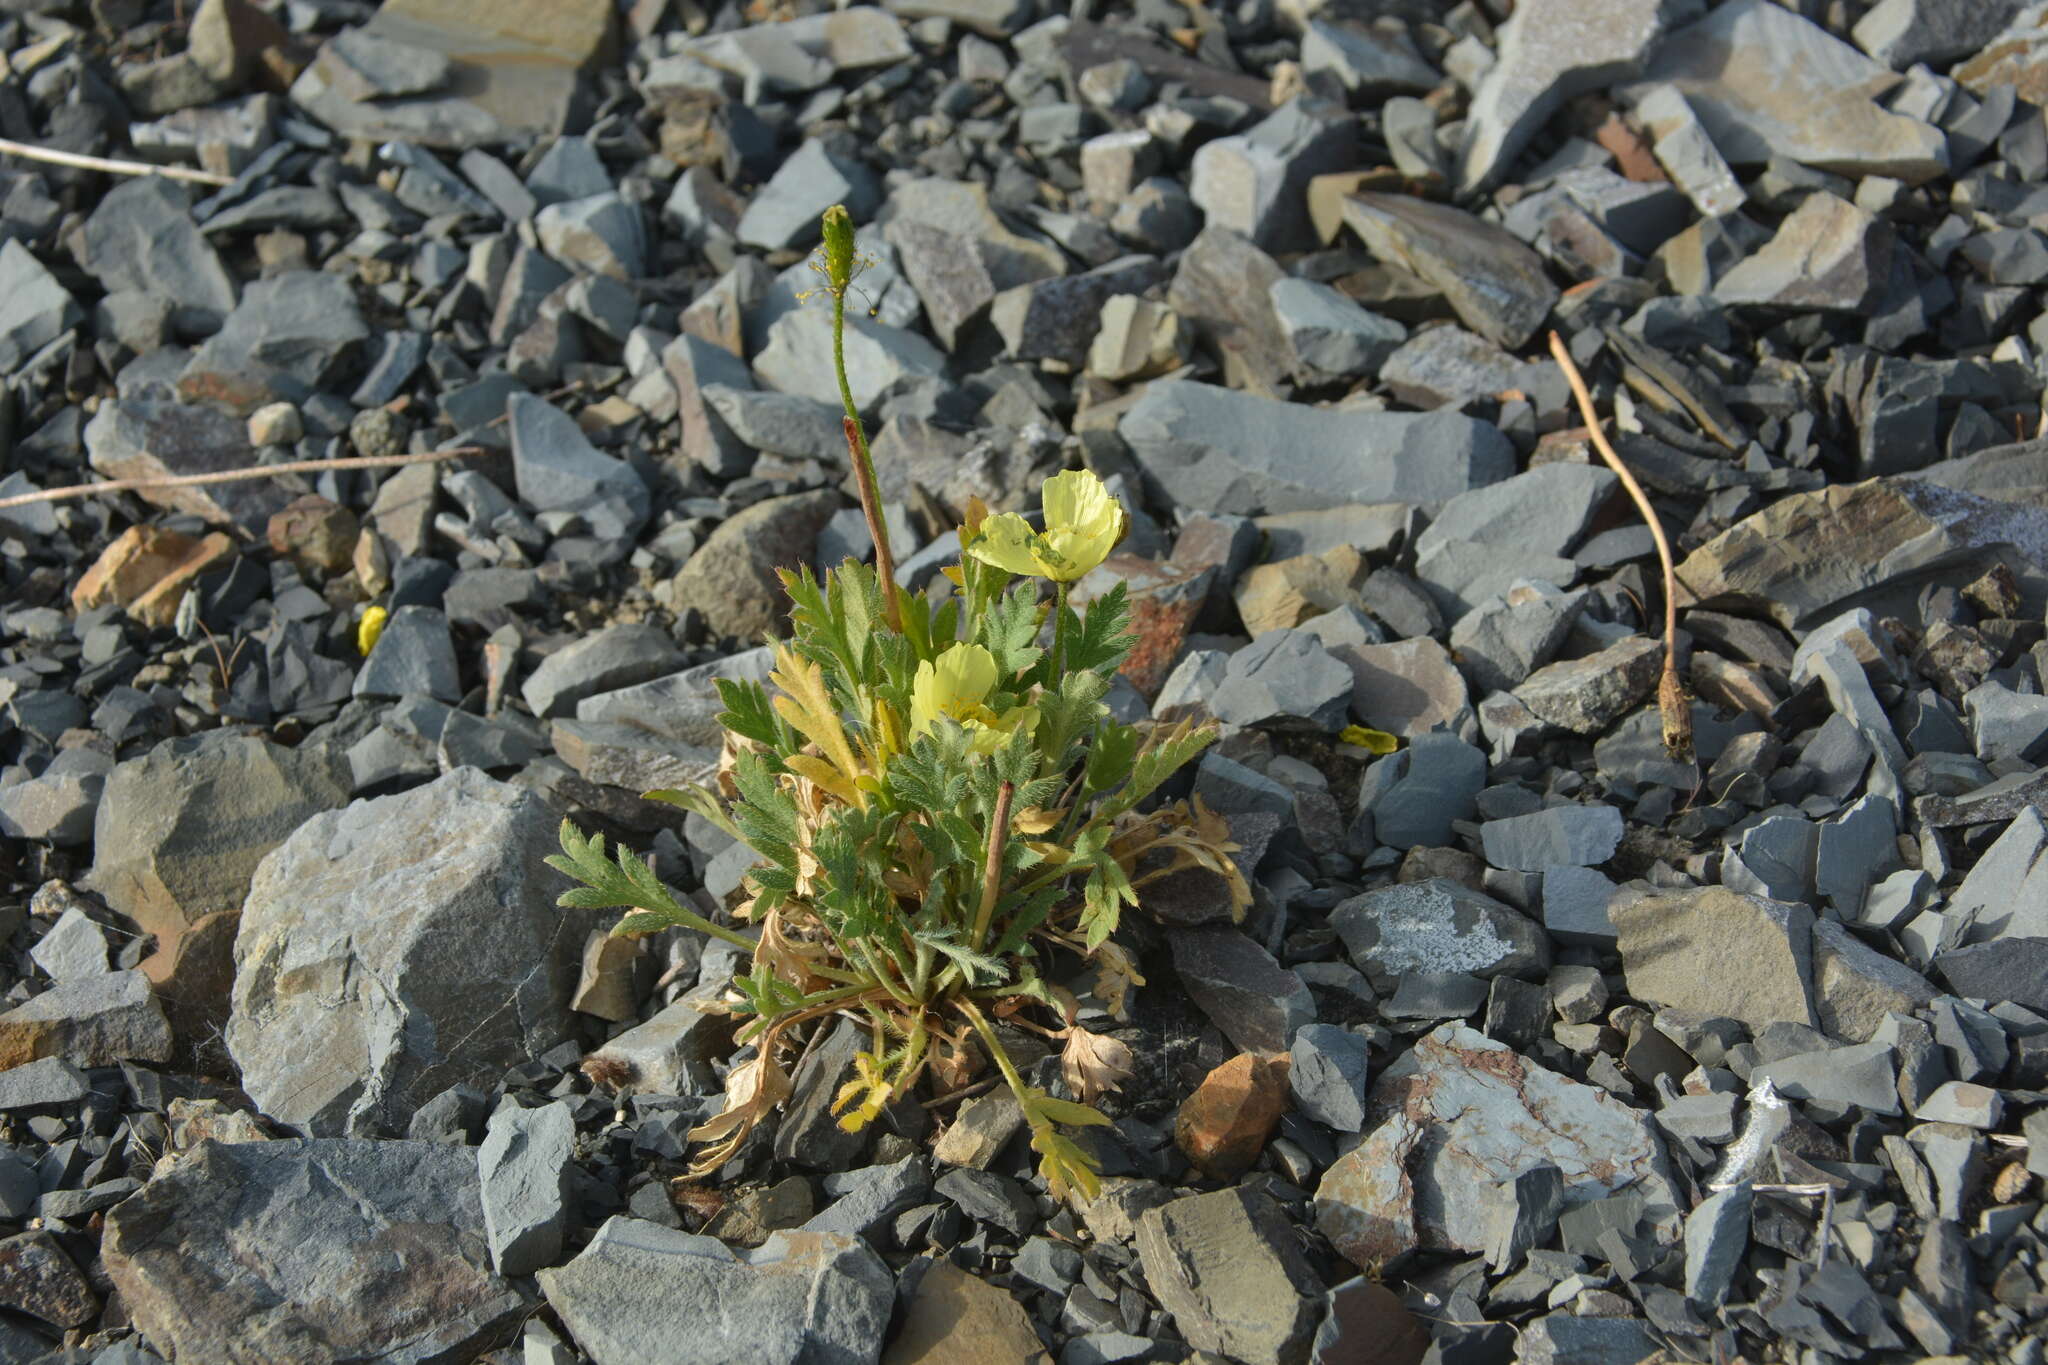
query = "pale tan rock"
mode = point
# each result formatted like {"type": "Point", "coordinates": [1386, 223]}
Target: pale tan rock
{"type": "Point", "coordinates": [1282, 595]}
{"type": "Point", "coordinates": [159, 605]}
{"type": "Point", "coordinates": [606, 987]}
{"type": "Point", "coordinates": [959, 1319]}
{"type": "Point", "coordinates": [137, 560]}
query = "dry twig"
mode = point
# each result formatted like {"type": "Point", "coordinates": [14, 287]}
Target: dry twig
{"type": "Point", "coordinates": [258, 471]}
{"type": "Point", "coordinates": [30, 152]}
{"type": "Point", "coordinates": [1672, 702]}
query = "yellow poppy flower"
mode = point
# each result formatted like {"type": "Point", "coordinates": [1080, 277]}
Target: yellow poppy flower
{"type": "Point", "coordinates": [1083, 523]}
{"type": "Point", "coordinates": [957, 685]}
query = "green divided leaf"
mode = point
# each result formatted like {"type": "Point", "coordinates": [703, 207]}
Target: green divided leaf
{"type": "Point", "coordinates": [1101, 638]}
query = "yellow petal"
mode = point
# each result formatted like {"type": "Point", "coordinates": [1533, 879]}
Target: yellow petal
{"type": "Point", "coordinates": [1082, 524]}
{"type": "Point", "coordinates": [1006, 541]}
{"type": "Point", "coordinates": [965, 675]}
{"type": "Point", "coordinates": [1377, 741]}
{"type": "Point", "coordinates": [924, 700]}
{"type": "Point", "coordinates": [369, 629]}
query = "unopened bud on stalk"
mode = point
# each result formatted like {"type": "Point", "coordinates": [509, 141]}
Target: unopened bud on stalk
{"type": "Point", "coordinates": [839, 258]}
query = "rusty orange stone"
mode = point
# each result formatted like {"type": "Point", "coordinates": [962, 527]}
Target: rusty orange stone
{"type": "Point", "coordinates": [1226, 1123]}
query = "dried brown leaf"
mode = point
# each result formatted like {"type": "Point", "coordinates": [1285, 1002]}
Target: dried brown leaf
{"type": "Point", "coordinates": [1093, 1063]}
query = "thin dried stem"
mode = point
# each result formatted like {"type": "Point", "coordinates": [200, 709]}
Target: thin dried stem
{"type": "Point", "coordinates": [1672, 703]}
{"type": "Point", "coordinates": [259, 471]}
{"type": "Point", "coordinates": [80, 161]}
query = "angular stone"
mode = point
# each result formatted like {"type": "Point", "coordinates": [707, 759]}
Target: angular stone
{"type": "Point", "coordinates": [732, 576]}
{"type": "Point", "coordinates": [1768, 84]}
{"type": "Point", "coordinates": [1549, 52]}
{"type": "Point", "coordinates": [1221, 451]}
{"type": "Point", "coordinates": [515, 72]}
{"type": "Point", "coordinates": [1437, 925]}
{"type": "Point", "coordinates": [303, 1250]}
{"type": "Point", "coordinates": [604, 661]}
{"type": "Point", "coordinates": [1138, 339]}
{"type": "Point", "coordinates": [2012, 57]}
{"type": "Point", "coordinates": [2012, 969]}
{"type": "Point", "coordinates": [1408, 689]}
{"type": "Point", "coordinates": [557, 469]}
{"type": "Point", "coordinates": [1718, 953]}
{"type": "Point", "coordinates": [1366, 61]}
{"type": "Point", "coordinates": [1465, 1115]}
{"type": "Point", "coordinates": [34, 309]}
{"type": "Point", "coordinates": [38, 1279]}
{"type": "Point", "coordinates": [1254, 182]}
{"type": "Point", "coordinates": [414, 656]}
{"type": "Point", "coordinates": [1256, 1002]}
{"type": "Point", "coordinates": [787, 213]}
{"type": "Point", "coordinates": [362, 988]}
{"type": "Point", "coordinates": [1058, 319]}
{"type": "Point", "coordinates": [1587, 695]}
{"type": "Point", "coordinates": [291, 334]}
{"type": "Point", "coordinates": [1224, 1125]}
{"type": "Point", "coordinates": [92, 1021]}
{"type": "Point", "coordinates": [958, 1317]}
{"type": "Point", "coordinates": [1687, 153]}
{"type": "Point", "coordinates": [1284, 677]}
{"type": "Point", "coordinates": [1902, 32]}
{"type": "Point", "coordinates": [1009, 258]}
{"type": "Point", "coordinates": [1222, 287]}
{"type": "Point", "coordinates": [1828, 254]}
{"type": "Point", "coordinates": [801, 1296]}
{"type": "Point", "coordinates": [1556, 836]}
{"type": "Point", "coordinates": [667, 1054]}
{"type": "Point", "coordinates": [1860, 1075]}
{"type": "Point", "coordinates": [682, 706]}
{"type": "Point", "coordinates": [1415, 793]}
{"type": "Point", "coordinates": [523, 1173]}
{"type": "Point", "coordinates": [1331, 336]}
{"type": "Point", "coordinates": [1327, 1073]}
{"type": "Point", "coordinates": [1228, 1267]}
{"type": "Point", "coordinates": [140, 242]}
{"type": "Point", "coordinates": [153, 439]}
{"type": "Point", "coordinates": [1804, 557]}
{"type": "Point", "coordinates": [181, 829]}
{"type": "Point", "coordinates": [1495, 284]}
{"type": "Point", "coordinates": [1855, 986]}
{"type": "Point", "coordinates": [798, 357]}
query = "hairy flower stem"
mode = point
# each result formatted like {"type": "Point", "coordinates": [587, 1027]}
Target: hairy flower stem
{"type": "Point", "coordinates": [1059, 633]}
{"type": "Point", "coordinates": [864, 467]}
{"type": "Point", "coordinates": [995, 1047]}
{"type": "Point", "coordinates": [992, 873]}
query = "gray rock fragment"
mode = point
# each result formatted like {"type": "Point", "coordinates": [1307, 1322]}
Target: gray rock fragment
{"type": "Point", "coordinates": [340, 1029]}
{"type": "Point", "coordinates": [523, 1173]}
{"type": "Point", "coordinates": [801, 1296]}
{"type": "Point", "coordinates": [1437, 925]}
{"type": "Point", "coordinates": [1227, 1266]}
{"type": "Point", "coordinates": [373, 1250]}
{"type": "Point", "coordinates": [1549, 52]}
{"type": "Point", "coordinates": [1209, 447]}
{"type": "Point", "coordinates": [1556, 836]}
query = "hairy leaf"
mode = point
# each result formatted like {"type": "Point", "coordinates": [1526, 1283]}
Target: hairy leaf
{"type": "Point", "coordinates": [1101, 639]}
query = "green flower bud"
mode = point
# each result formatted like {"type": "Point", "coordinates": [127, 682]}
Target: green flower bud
{"type": "Point", "coordinates": [839, 260]}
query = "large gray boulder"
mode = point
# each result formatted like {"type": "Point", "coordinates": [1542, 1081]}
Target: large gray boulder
{"type": "Point", "coordinates": [400, 946]}
{"type": "Point", "coordinates": [261, 1253]}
